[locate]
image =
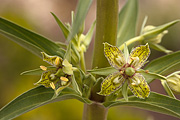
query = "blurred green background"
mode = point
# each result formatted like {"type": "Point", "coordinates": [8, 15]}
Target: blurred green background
{"type": "Point", "coordinates": [35, 15]}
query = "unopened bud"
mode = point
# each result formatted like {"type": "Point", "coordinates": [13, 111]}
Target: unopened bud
{"type": "Point", "coordinates": [174, 82]}
{"type": "Point", "coordinates": [154, 39]}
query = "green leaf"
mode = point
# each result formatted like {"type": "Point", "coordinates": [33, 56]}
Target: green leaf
{"type": "Point", "coordinates": [30, 47]}
{"type": "Point", "coordinates": [143, 24]}
{"type": "Point", "coordinates": [34, 98]}
{"type": "Point", "coordinates": [159, 48]}
{"type": "Point", "coordinates": [27, 36]}
{"type": "Point", "coordinates": [126, 52]}
{"type": "Point", "coordinates": [75, 86]}
{"type": "Point", "coordinates": [103, 71]}
{"type": "Point", "coordinates": [149, 75]}
{"type": "Point", "coordinates": [37, 71]}
{"type": "Point", "coordinates": [81, 12]}
{"type": "Point", "coordinates": [67, 55]}
{"type": "Point", "coordinates": [125, 90]}
{"type": "Point", "coordinates": [78, 77]}
{"type": "Point", "coordinates": [88, 37]}
{"type": "Point", "coordinates": [61, 25]}
{"type": "Point", "coordinates": [155, 102]}
{"type": "Point", "coordinates": [127, 22]}
{"type": "Point", "coordinates": [165, 65]}
{"type": "Point", "coordinates": [75, 55]}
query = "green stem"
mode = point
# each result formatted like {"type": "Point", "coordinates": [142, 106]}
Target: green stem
{"type": "Point", "coordinates": [82, 62]}
{"type": "Point", "coordinates": [135, 39]}
{"type": "Point", "coordinates": [94, 111]}
{"type": "Point", "coordinates": [106, 31]}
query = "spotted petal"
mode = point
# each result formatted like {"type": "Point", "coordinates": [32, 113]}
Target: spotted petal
{"type": "Point", "coordinates": [114, 55]}
{"type": "Point", "coordinates": [111, 83]}
{"type": "Point", "coordinates": [139, 55]}
{"type": "Point", "coordinates": [45, 79]}
{"type": "Point", "coordinates": [53, 60]}
{"type": "Point", "coordinates": [139, 86]}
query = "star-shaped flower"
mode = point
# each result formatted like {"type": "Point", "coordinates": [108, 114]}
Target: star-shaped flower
{"type": "Point", "coordinates": [127, 70]}
{"type": "Point", "coordinates": [57, 77]}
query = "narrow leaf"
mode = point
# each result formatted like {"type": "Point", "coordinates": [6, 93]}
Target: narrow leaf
{"type": "Point", "coordinates": [143, 24]}
{"type": "Point", "coordinates": [67, 55]}
{"type": "Point", "coordinates": [155, 102]}
{"type": "Point", "coordinates": [165, 64]}
{"type": "Point", "coordinates": [81, 12]}
{"type": "Point", "coordinates": [30, 47]}
{"type": "Point", "coordinates": [27, 36]}
{"type": "Point", "coordinates": [150, 75]}
{"type": "Point", "coordinates": [37, 71]}
{"type": "Point", "coordinates": [89, 35]}
{"type": "Point", "coordinates": [126, 52]}
{"type": "Point", "coordinates": [103, 71]}
{"type": "Point", "coordinates": [127, 22]}
{"type": "Point", "coordinates": [34, 98]}
{"type": "Point", "coordinates": [159, 48]}
{"type": "Point", "coordinates": [61, 25]}
{"type": "Point", "coordinates": [75, 85]}
{"type": "Point", "coordinates": [125, 90]}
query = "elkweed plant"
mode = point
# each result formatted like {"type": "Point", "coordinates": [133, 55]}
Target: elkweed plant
{"type": "Point", "coordinates": [122, 81]}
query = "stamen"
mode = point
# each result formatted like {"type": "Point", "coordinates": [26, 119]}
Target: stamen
{"type": "Point", "coordinates": [135, 61]}
{"type": "Point", "coordinates": [116, 80]}
{"type": "Point", "coordinates": [43, 68]}
{"type": "Point", "coordinates": [52, 76]}
{"type": "Point", "coordinates": [119, 60]}
{"type": "Point", "coordinates": [121, 72]}
{"type": "Point", "coordinates": [135, 82]}
{"type": "Point", "coordinates": [64, 79]}
{"type": "Point", "coordinates": [57, 62]}
{"type": "Point", "coordinates": [52, 85]}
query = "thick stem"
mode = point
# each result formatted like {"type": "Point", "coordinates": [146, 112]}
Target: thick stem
{"type": "Point", "coordinates": [106, 31]}
{"type": "Point", "coordinates": [95, 111]}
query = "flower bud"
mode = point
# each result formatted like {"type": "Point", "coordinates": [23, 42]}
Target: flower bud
{"type": "Point", "coordinates": [154, 39]}
{"type": "Point", "coordinates": [173, 81]}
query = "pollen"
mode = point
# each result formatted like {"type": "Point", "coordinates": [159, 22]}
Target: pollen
{"type": "Point", "coordinates": [43, 68]}
{"type": "Point", "coordinates": [64, 79]}
{"type": "Point", "coordinates": [52, 85]}
{"type": "Point", "coordinates": [57, 62]}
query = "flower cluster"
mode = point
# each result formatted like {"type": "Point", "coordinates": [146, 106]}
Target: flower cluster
{"type": "Point", "coordinates": [57, 77]}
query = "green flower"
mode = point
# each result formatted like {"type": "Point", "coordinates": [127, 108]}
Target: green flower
{"type": "Point", "coordinates": [127, 70]}
{"type": "Point", "coordinates": [57, 77]}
